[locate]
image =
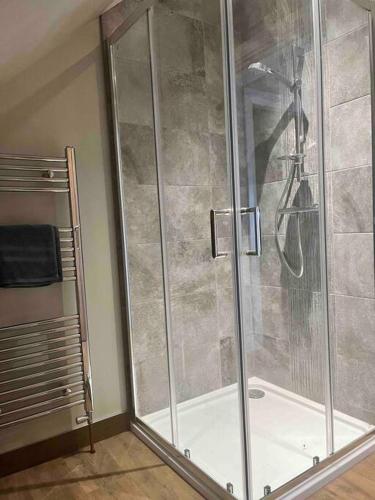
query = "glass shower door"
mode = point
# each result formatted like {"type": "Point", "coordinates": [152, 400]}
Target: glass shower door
{"type": "Point", "coordinates": [141, 224]}
{"type": "Point", "coordinates": [193, 171]}
{"type": "Point", "coordinates": [278, 172]}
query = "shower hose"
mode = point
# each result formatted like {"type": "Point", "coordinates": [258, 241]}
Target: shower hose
{"type": "Point", "coordinates": [279, 217]}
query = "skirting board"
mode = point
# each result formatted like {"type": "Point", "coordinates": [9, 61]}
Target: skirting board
{"type": "Point", "coordinates": [64, 444]}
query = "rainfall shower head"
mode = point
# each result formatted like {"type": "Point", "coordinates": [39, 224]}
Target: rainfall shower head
{"type": "Point", "coordinates": [262, 68]}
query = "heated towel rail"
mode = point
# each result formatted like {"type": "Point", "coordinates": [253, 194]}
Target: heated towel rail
{"type": "Point", "coordinates": [45, 365]}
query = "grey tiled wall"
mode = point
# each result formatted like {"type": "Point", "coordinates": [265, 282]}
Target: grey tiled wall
{"type": "Point", "coordinates": [142, 220]}
{"type": "Point", "coordinates": [285, 340]}
{"type": "Point", "coordinates": [193, 164]}
{"type": "Point", "coordinates": [288, 346]}
{"type": "Point", "coordinates": [350, 207]}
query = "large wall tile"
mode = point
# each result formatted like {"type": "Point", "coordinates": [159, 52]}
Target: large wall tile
{"type": "Point", "coordinates": [225, 312]}
{"type": "Point", "coordinates": [142, 214]}
{"type": "Point", "coordinates": [353, 256]}
{"type": "Point", "coordinates": [133, 79]}
{"type": "Point", "coordinates": [152, 385]}
{"type": "Point", "coordinates": [145, 272]}
{"type": "Point", "coordinates": [351, 134]}
{"type": "Point", "coordinates": [188, 212]}
{"type": "Point", "coordinates": [213, 55]}
{"type": "Point", "coordinates": [194, 320]}
{"type": "Point", "coordinates": [183, 101]}
{"type": "Point", "coordinates": [355, 327]}
{"type": "Point", "coordinates": [149, 336]}
{"type": "Point", "coordinates": [270, 262]}
{"type": "Point", "coordinates": [275, 312]}
{"type": "Point", "coordinates": [352, 200]}
{"type": "Point", "coordinates": [270, 361]}
{"type": "Point", "coordinates": [133, 46]}
{"type": "Point", "coordinates": [191, 267]}
{"type": "Point", "coordinates": [179, 41]}
{"type": "Point", "coordinates": [343, 16]}
{"type": "Point", "coordinates": [218, 160]}
{"type": "Point", "coordinates": [215, 107]}
{"type": "Point", "coordinates": [228, 361]}
{"type": "Point", "coordinates": [192, 376]}
{"type": "Point", "coordinates": [349, 56]}
{"type": "Point", "coordinates": [138, 154]}
{"type": "Point", "coordinates": [354, 388]}
{"type": "Point", "coordinates": [185, 157]}
{"type": "Point", "coordinates": [223, 266]}
{"type": "Point", "coordinates": [211, 12]}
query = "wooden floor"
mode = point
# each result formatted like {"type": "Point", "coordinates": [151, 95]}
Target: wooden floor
{"type": "Point", "coordinates": [356, 484]}
{"type": "Point", "coordinates": [122, 468]}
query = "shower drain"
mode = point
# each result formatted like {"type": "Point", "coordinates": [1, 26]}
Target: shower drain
{"type": "Point", "coordinates": [256, 394]}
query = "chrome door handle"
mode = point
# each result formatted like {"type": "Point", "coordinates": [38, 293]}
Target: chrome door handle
{"type": "Point", "coordinates": [257, 230]}
{"type": "Point", "coordinates": [216, 254]}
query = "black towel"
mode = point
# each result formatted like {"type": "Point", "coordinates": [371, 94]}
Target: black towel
{"type": "Point", "coordinates": [29, 256]}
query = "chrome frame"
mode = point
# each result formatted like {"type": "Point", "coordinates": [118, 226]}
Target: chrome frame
{"type": "Point", "coordinates": [233, 167]}
{"type": "Point", "coordinates": [163, 229]}
{"type": "Point", "coordinates": [196, 477]}
{"type": "Point", "coordinates": [328, 392]}
{"type": "Point", "coordinates": [167, 451]}
{"type": "Point", "coordinates": [143, 10]}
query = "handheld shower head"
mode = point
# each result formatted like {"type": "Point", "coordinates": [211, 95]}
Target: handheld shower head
{"type": "Point", "coordinates": [262, 68]}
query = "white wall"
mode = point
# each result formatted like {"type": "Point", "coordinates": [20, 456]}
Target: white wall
{"type": "Point", "coordinates": [61, 101]}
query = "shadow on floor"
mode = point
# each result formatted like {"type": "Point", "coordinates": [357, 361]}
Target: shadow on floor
{"type": "Point", "coordinates": [62, 482]}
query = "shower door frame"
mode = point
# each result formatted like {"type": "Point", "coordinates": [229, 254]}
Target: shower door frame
{"type": "Point", "coordinates": [337, 461]}
{"type": "Point", "coordinates": [328, 468]}
{"type": "Point", "coordinates": [167, 451]}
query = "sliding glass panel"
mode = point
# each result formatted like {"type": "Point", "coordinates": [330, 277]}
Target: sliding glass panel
{"type": "Point", "coordinates": [193, 166]}
{"type": "Point", "coordinates": [142, 227]}
{"type": "Point", "coordinates": [350, 223]}
{"type": "Point", "coordinates": [282, 300]}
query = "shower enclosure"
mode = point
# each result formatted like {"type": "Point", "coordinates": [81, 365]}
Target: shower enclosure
{"type": "Point", "coordinates": [243, 134]}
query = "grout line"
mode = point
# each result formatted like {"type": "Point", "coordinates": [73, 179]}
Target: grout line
{"type": "Point", "coordinates": [358, 28]}
{"type": "Point", "coordinates": [336, 294]}
{"type": "Point", "coordinates": [349, 101]}
{"type": "Point", "coordinates": [352, 233]}
{"type": "Point", "coordinates": [365, 165]}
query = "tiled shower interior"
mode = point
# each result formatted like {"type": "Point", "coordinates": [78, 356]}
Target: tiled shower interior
{"type": "Point", "coordinates": [194, 159]}
{"type": "Point", "coordinates": [283, 315]}
{"type": "Point", "coordinates": [285, 341]}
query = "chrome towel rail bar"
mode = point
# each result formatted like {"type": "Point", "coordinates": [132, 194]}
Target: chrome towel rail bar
{"type": "Point", "coordinates": [47, 359]}
{"type": "Point", "coordinates": [32, 158]}
{"type": "Point", "coordinates": [42, 403]}
{"type": "Point", "coordinates": [21, 378]}
{"type": "Point", "coordinates": [42, 414]}
{"type": "Point", "coordinates": [62, 388]}
{"type": "Point", "coordinates": [31, 345]}
{"type": "Point", "coordinates": [38, 323]}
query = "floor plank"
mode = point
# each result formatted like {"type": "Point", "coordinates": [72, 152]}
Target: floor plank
{"type": "Point", "coordinates": [357, 483]}
{"type": "Point", "coordinates": [122, 468]}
